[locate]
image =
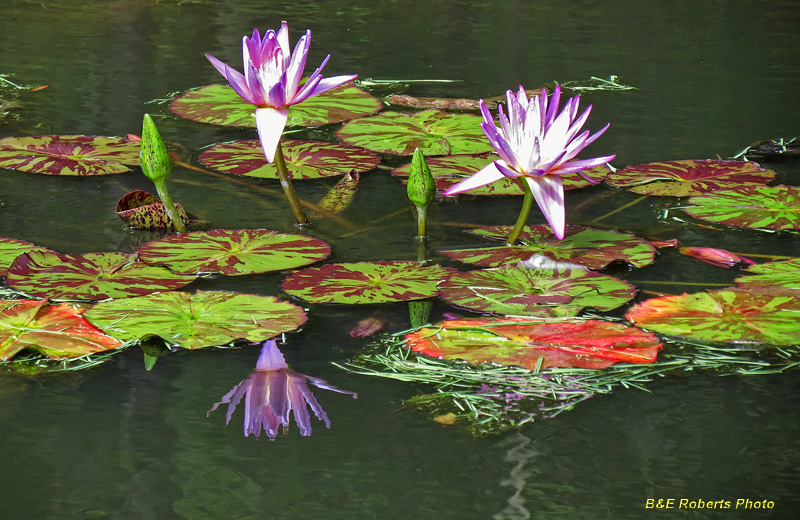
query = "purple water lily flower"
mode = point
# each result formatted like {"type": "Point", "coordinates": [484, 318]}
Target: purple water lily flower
{"type": "Point", "coordinates": [271, 80]}
{"type": "Point", "coordinates": [538, 145]}
{"type": "Point", "coordinates": [272, 392]}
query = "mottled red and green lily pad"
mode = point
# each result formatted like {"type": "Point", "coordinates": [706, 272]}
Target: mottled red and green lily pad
{"type": "Point", "coordinates": [689, 177]}
{"type": "Point", "coordinates": [535, 343]}
{"type": "Point", "coordinates": [725, 316]}
{"type": "Point", "coordinates": [512, 290]}
{"type": "Point", "coordinates": [435, 132]}
{"type": "Point", "coordinates": [761, 207]}
{"type": "Point", "coordinates": [141, 210]}
{"type": "Point", "coordinates": [220, 105]}
{"type": "Point", "coordinates": [451, 169]}
{"type": "Point", "coordinates": [56, 331]}
{"type": "Point", "coordinates": [75, 155]}
{"type": "Point", "coordinates": [304, 159]}
{"type": "Point", "coordinates": [234, 252]}
{"type": "Point", "coordinates": [11, 248]}
{"type": "Point", "coordinates": [366, 282]}
{"type": "Point", "coordinates": [593, 248]}
{"type": "Point", "coordinates": [199, 320]}
{"type": "Point", "coordinates": [91, 276]}
{"type": "Point", "coordinates": [776, 277]}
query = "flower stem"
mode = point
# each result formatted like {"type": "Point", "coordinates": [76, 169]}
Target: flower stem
{"type": "Point", "coordinates": [422, 226]}
{"type": "Point", "coordinates": [166, 200]}
{"type": "Point", "coordinates": [288, 189]}
{"type": "Point", "coordinates": [527, 202]}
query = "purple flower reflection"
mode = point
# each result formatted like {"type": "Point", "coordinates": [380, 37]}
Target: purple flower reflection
{"type": "Point", "coordinates": [272, 392]}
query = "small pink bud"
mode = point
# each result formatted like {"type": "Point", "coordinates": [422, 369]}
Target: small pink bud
{"type": "Point", "coordinates": [711, 255]}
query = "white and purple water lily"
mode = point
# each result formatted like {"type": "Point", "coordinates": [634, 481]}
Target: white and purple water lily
{"type": "Point", "coordinates": [271, 81]}
{"type": "Point", "coordinates": [537, 145]}
{"type": "Point", "coordinates": [274, 391]}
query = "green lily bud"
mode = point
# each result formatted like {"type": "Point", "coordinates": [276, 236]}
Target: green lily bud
{"type": "Point", "coordinates": [153, 155]}
{"type": "Point", "coordinates": [421, 188]}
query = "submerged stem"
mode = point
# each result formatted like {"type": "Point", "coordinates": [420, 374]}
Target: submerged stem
{"type": "Point", "coordinates": [288, 189]}
{"type": "Point", "coordinates": [527, 202]}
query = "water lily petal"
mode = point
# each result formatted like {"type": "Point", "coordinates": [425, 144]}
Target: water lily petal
{"type": "Point", "coordinates": [270, 123]}
{"type": "Point", "coordinates": [271, 358]}
{"type": "Point", "coordinates": [548, 192]}
{"type": "Point", "coordinates": [486, 175]}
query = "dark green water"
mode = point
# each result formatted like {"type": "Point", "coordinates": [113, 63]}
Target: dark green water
{"type": "Point", "coordinates": [119, 442]}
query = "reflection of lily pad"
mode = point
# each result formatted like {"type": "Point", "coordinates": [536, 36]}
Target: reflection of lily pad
{"type": "Point", "coordinates": [221, 105]}
{"type": "Point", "coordinates": [435, 132]}
{"type": "Point", "coordinates": [773, 276]}
{"type": "Point", "coordinates": [593, 248]}
{"type": "Point", "coordinates": [451, 169]}
{"type": "Point", "coordinates": [769, 207]}
{"type": "Point", "coordinates": [203, 319]}
{"type": "Point", "coordinates": [69, 154]}
{"type": "Point", "coordinates": [57, 331]}
{"type": "Point", "coordinates": [725, 316]}
{"type": "Point", "coordinates": [365, 282]}
{"type": "Point", "coordinates": [141, 210]}
{"type": "Point", "coordinates": [685, 178]}
{"type": "Point", "coordinates": [535, 292]}
{"type": "Point", "coordinates": [11, 248]}
{"type": "Point", "coordinates": [304, 159]}
{"type": "Point", "coordinates": [92, 276]}
{"type": "Point", "coordinates": [536, 344]}
{"type": "Point", "coordinates": [234, 252]}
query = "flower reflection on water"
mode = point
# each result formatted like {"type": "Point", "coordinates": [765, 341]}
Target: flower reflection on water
{"type": "Point", "coordinates": [274, 391]}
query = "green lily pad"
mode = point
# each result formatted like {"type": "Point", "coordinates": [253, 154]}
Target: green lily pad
{"type": "Point", "coordinates": [304, 159]}
{"type": "Point", "coordinates": [221, 105]}
{"type": "Point", "coordinates": [725, 316]}
{"type": "Point", "coordinates": [776, 277]}
{"type": "Point", "coordinates": [451, 169]}
{"type": "Point", "coordinates": [69, 154]}
{"type": "Point", "coordinates": [234, 252]}
{"type": "Point", "coordinates": [57, 331]}
{"type": "Point", "coordinates": [768, 207]}
{"type": "Point", "coordinates": [92, 276]}
{"type": "Point", "coordinates": [11, 248]}
{"type": "Point", "coordinates": [593, 248]}
{"type": "Point", "coordinates": [435, 132]}
{"type": "Point", "coordinates": [535, 292]}
{"type": "Point", "coordinates": [536, 344]}
{"type": "Point", "coordinates": [688, 177]}
{"type": "Point", "coordinates": [203, 319]}
{"type": "Point", "coordinates": [366, 282]}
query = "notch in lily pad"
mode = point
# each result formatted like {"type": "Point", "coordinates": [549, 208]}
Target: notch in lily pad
{"type": "Point", "coordinates": [156, 166]}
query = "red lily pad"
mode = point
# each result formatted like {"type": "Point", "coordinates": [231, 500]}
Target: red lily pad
{"type": "Point", "coordinates": [366, 282]}
{"type": "Point", "coordinates": [452, 169]}
{"type": "Point", "coordinates": [535, 292]}
{"type": "Point", "coordinates": [57, 331]}
{"type": "Point", "coordinates": [435, 132]}
{"type": "Point", "coordinates": [783, 277]}
{"type": "Point", "coordinates": [11, 248]}
{"type": "Point", "coordinates": [69, 154]}
{"type": "Point", "coordinates": [234, 252]}
{"type": "Point", "coordinates": [593, 248]}
{"type": "Point", "coordinates": [535, 344]}
{"type": "Point", "coordinates": [92, 276]}
{"type": "Point", "coordinates": [141, 210]}
{"type": "Point", "coordinates": [767, 207]}
{"type": "Point", "coordinates": [689, 177]}
{"type": "Point", "coordinates": [199, 320]}
{"type": "Point", "coordinates": [725, 316]}
{"type": "Point", "coordinates": [221, 105]}
{"type": "Point", "coordinates": [304, 159]}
